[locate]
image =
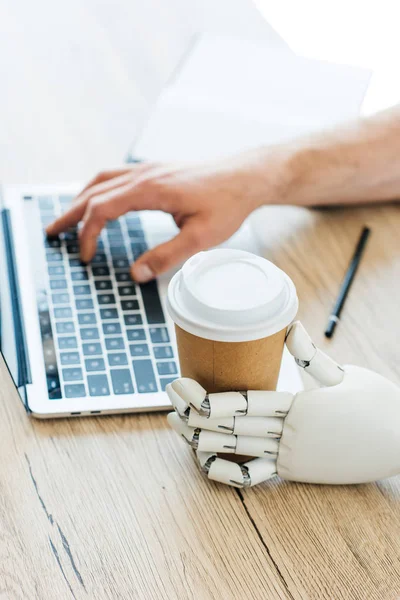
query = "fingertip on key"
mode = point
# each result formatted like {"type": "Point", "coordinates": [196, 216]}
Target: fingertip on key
{"type": "Point", "coordinates": [141, 273]}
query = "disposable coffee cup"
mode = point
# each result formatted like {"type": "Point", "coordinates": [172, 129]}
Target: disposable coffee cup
{"type": "Point", "coordinates": [231, 310]}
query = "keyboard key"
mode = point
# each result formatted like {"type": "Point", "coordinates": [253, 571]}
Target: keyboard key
{"type": "Point", "coordinates": [106, 298]}
{"type": "Point", "coordinates": [81, 290]}
{"type": "Point", "coordinates": [95, 364]}
{"type": "Point", "coordinates": [60, 298]}
{"type": "Point", "coordinates": [56, 270]}
{"type": "Point", "coordinates": [118, 251]}
{"type": "Point", "coordinates": [67, 343]}
{"type": "Point", "coordinates": [87, 318]}
{"type": "Point", "coordinates": [79, 275]}
{"type": "Point", "coordinates": [63, 312]}
{"type": "Point", "coordinates": [114, 343]}
{"type": "Point", "coordinates": [99, 258]}
{"type": "Point", "coordinates": [70, 358]}
{"type": "Point", "coordinates": [54, 257]}
{"type": "Point", "coordinates": [111, 328]}
{"type": "Point", "coordinates": [83, 303]}
{"type": "Point", "coordinates": [139, 350]}
{"type": "Point", "coordinates": [58, 284]}
{"type": "Point", "coordinates": [103, 284]}
{"type": "Point", "coordinates": [113, 225]}
{"type": "Point", "coordinates": [44, 322]}
{"type": "Point", "coordinates": [164, 381]}
{"type": "Point", "coordinates": [74, 390]}
{"type": "Point", "coordinates": [130, 305]}
{"type": "Point", "coordinates": [65, 327]}
{"type": "Point", "coordinates": [93, 349]}
{"type": "Point", "coordinates": [53, 387]}
{"type": "Point", "coordinates": [76, 262]}
{"type": "Point", "coordinates": [72, 247]}
{"type": "Point", "coordinates": [71, 234]}
{"type": "Point", "coordinates": [120, 263]}
{"type": "Point", "coordinates": [52, 250]}
{"type": "Point", "coordinates": [117, 358]}
{"type": "Point", "coordinates": [53, 242]}
{"type": "Point", "coordinates": [137, 234]}
{"type": "Point", "coordinates": [50, 359]}
{"type": "Point", "coordinates": [163, 352]}
{"type": "Point", "coordinates": [45, 202]}
{"type": "Point", "coordinates": [167, 368]}
{"type": "Point", "coordinates": [89, 333]}
{"type": "Point", "coordinates": [138, 248]}
{"type": "Point", "coordinates": [127, 290]}
{"type": "Point", "coordinates": [108, 313]}
{"type": "Point", "coordinates": [152, 303]}
{"type": "Point", "coordinates": [159, 335]}
{"type": "Point", "coordinates": [115, 236]}
{"type": "Point", "coordinates": [144, 375]}
{"type": "Point", "coordinates": [98, 385]}
{"type": "Point", "coordinates": [136, 335]}
{"type": "Point", "coordinates": [101, 271]}
{"type": "Point", "coordinates": [122, 276]}
{"type": "Point", "coordinates": [74, 374]}
{"type": "Point", "coordinates": [115, 240]}
{"type": "Point", "coordinates": [132, 218]}
{"type": "Point", "coordinates": [121, 381]}
{"type": "Point", "coordinates": [133, 320]}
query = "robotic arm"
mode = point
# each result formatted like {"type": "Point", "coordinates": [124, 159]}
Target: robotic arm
{"type": "Point", "coordinates": [345, 432]}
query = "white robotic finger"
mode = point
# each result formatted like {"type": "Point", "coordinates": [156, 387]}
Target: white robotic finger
{"type": "Point", "coordinates": [211, 441]}
{"type": "Point", "coordinates": [268, 404]}
{"type": "Point", "coordinates": [259, 470]}
{"type": "Point", "coordinates": [188, 433]}
{"type": "Point", "coordinates": [205, 458]}
{"type": "Point", "coordinates": [252, 403]}
{"type": "Point", "coordinates": [226, 404]}
{"type": "Point", "coordinates": [310, 358]}
{"type": "Point", "coordinates": [191, 392]}
{"type": "Point", "coordinates": [254, 426]}
{"type": "Point", "coordinates": [224, 471]}
{"type": "Point", "coordinates": [258, 426]}
{"type": "Point", "coordinates": [256, 446]}
{"type": "Point", "coordinates": [220, 425]}
{"type": "Point", "coordinates": [176, 400]}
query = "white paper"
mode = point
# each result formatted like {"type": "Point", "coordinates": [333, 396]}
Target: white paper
{"type": "Point", "coordinates": [233, 94]}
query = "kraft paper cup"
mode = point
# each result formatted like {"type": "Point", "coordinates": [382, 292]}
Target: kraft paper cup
{"type": "Point", "coordinates": [231, 310]}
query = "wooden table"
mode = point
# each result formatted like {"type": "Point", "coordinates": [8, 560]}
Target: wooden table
{"type": "Point", "coordinates": [115, 507]}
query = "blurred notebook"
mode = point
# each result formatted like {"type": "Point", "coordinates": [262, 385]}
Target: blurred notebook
{"type": "Point", "coordinates": [232, 94]}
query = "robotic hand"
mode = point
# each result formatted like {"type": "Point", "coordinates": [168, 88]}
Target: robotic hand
{"type": "Point", "coordinates": [345, 432]}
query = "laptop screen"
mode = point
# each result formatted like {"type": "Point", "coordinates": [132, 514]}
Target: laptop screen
{"type": "Point", "coordinates": [12, 336]}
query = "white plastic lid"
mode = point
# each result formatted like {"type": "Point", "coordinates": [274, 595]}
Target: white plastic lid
{"type": "Point", "coordinates": [231, 296]}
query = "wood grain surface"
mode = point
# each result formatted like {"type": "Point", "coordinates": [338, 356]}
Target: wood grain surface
{"type": "Point", "coordinates": [115, 507]}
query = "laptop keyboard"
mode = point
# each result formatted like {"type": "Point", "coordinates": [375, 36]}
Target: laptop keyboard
{"type": "Point", "coordinates": [102, 333]}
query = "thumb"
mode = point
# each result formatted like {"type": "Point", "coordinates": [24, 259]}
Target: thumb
{"type": "Point", "coordinates": [165, 256]}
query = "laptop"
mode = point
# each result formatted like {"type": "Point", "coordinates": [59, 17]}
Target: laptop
{"type": "Point", "coordinates": [84, 339]}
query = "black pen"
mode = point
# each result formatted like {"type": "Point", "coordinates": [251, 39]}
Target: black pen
{"type": "Point", "coordinates": [347, 281]}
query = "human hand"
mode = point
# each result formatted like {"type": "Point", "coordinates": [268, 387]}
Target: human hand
{"type": "Point", "coordinates": [208, 203]}
{"type": "Point", "coordinates": [346, 432]}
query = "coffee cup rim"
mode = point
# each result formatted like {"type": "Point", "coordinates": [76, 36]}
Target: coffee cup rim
{"type": "Point", "coordinates": [193, 315]}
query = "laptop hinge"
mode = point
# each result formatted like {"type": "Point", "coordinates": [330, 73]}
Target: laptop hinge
{"type": "Point", "coordinates": [24, 371]}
